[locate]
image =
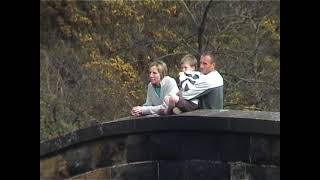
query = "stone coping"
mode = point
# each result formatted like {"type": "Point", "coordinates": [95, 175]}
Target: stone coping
{"type": "Point", "coordinates": [232, 121]}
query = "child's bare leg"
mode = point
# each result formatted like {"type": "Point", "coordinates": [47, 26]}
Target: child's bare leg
{"type": "Point", "coordinates": [174, 99]}
{"type": "Point", "coordinates": [172, 103]}
{"type": "Point", "coordinates": [166, 100]}
{"type": "Point", "coordinates": [165, 105]}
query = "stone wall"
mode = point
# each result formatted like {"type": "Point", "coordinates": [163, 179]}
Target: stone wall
{"type": "Point", "coordinates": [204, 144]}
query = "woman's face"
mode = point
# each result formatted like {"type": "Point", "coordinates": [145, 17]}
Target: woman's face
{"type": "Point", "coordinates": [154, 75]}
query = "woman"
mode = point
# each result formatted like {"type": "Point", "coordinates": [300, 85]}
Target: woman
{"type": "Point", "coordinates": [159, 87]}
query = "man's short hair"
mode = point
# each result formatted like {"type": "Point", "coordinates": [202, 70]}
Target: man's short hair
{"type": "Point", "coordinates": [210, 54]}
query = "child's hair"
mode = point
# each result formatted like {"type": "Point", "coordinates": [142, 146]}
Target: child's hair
{"type": "Point", "coordinates": [189, 59]}
{"type": "Point", "coordinates": [161, 67]}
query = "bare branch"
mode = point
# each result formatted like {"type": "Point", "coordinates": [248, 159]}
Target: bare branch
{"type": "Point", "coordinates": [202, 27]}
{"type": "Point", "coordinates": [188, 10]}
{"type": "Point", "coordinates": [172, 54]}
{"type": "Point", "coordinates": [243, 79]}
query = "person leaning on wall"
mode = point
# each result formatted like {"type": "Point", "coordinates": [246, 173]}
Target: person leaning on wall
{"type": "Point", "coordinates": [208, 89]}
{"type": "Point", "coordinates": [160, 86]}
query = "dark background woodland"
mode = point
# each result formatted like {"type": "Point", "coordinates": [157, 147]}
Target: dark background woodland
{"type": "Point", "coordinates": [94, 55]}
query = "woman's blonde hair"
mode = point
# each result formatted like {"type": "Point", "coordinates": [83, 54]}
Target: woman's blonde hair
{"type": "Point", "coordinates": [161, 67]}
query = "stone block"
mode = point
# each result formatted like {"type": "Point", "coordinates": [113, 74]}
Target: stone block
{"type": "Point", "coordinates": [135, 171]}
{"type": "Point", "coordinates": [216, 146]}
{"type": "Point", "coordinates": [98, 174]}
{"type": "Point", "coordinates": [193, 170]}
{"type": "Point", "coordinates": [265, 150]}
{"type": "Point", "coordinates": [241, 171]}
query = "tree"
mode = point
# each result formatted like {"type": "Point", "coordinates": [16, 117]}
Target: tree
{"type": "Point", "coordinates": [94, 55]}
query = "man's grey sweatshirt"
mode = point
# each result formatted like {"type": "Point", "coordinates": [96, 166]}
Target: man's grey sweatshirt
{"type": "Point", "coordinates": [210, 80]}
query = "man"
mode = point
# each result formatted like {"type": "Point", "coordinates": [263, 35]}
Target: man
{"type": "Point", "coordinates": [186, 80]}
{"type": "Point", "coordinates": [208, 88]}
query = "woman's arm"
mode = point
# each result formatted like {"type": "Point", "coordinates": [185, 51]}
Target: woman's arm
{"type": "Point", "coordinates": [170, 88]}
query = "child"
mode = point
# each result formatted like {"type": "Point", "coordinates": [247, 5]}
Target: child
{"type": "Point", "coordinates": [186, 81]}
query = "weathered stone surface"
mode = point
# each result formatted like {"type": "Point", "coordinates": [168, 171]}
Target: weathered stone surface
{"type": "Point", "coordinates": [265, 150]}
{"type": "Point", "coordinates": [165, 146]}
{"type": "Point", "coordinates": [241, 171]}
{"type": "Point", "coordinates": [159, 146]}
{"type": "Point", "coordinates": [262, 115]}
{"type": "Point", "coordinates": [193, 170]}
{"type": "Point", "coordinates": [175, 147]}
{"type": "Point", "coordinates": [135, 171]}
{"type": "Point", "coordinates": [220, 121]}
{"type": "Point", "coordinates": [187, 146]}
{"type": "Point", "coordinates": [98, 174]}
{"type": "Point", "coordinates": [53, 167]}
{"type": "Point", "coordinates": [112, 151]}
{"type": "Point", "coordinates": [181, 170]}
{"type": "Point", "coordinates": [79, 160]}
{"type": "Point", "coordinates": [215, 146]}
{"type": "Point", "coordinates": [84, 158]}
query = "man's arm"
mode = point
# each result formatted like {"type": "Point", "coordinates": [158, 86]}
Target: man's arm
{"type": "Point", "coordinates": [197, 89]}
{"type": "Point", "coordinates": [204, 82]}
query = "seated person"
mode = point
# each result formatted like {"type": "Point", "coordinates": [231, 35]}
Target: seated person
{"type": "Point", "coordinates": [160, 86]}
{"type": "Point", "coordinates": [186, 80]}
{"type": "Point", "coordinates": [209, 85]}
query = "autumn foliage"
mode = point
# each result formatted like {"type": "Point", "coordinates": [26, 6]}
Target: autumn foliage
{"type": "Point", "coordinates": [94, 55]}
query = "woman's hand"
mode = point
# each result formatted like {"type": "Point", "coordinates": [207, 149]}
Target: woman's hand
{"type": "Point", "coordinates": [136, 111]}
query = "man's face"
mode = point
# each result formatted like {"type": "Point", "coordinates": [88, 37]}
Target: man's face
{"type": "Point", "coordinates": [205, 65]}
